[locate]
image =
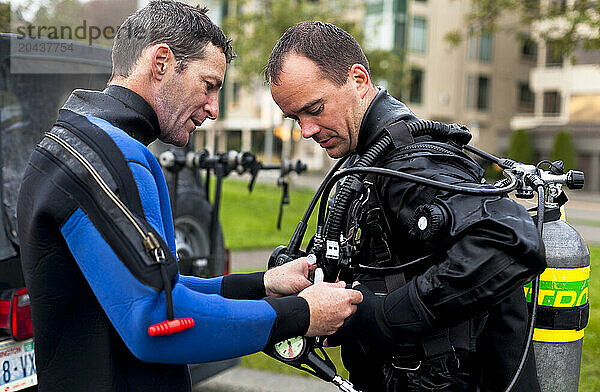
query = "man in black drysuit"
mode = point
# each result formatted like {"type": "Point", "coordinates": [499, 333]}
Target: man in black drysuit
{"type": "Point", "coordinates": [454, 318]}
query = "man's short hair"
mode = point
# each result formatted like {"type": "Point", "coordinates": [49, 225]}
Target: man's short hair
{"type": "Point", "coordinates": [186, 29]}
{"type": "Point", "coordinates": [331, 48]}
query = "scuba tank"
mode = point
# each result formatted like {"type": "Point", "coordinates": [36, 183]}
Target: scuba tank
{"type": "Point", "coordinates": [563, 306]}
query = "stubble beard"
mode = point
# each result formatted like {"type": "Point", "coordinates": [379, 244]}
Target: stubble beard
{"type": "Point", "coordinates": [170, 130]}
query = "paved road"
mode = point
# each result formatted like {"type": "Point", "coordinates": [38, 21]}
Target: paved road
{"type": "Point", "coordinates": [241, 379]}
{"type": "Point", "coordinates": [583, 213]}
{"type": "Point", "coordinates": [250, 260]}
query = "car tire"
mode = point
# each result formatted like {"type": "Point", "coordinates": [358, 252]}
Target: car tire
{"type": "Point", "coordinates": [193, 236]}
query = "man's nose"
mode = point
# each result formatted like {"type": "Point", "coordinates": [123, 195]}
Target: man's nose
{"type": "Point", "coordinates": [212, 106]}
{"type": "Point", "coordinates": [309, 129]}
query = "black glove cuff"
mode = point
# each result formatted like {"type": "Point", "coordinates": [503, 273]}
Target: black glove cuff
{"type": "Point", "coordinates": [387, 331]}
{"type": "Point", "coordinates": [405, 313]}
{"type": "Point", "coordinates": [293, 318]}
{"type": "Point", "coordinates": [372, 305]}
{"type": "Point", "coordinates": [244, 286]}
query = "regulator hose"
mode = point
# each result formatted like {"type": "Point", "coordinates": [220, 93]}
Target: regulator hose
{"type": "Point", "coordinates": [344, 196]}
{"type": "Point", "coordinates": [455, 134]}
{"type": "Point", "coordinates": [535, 289]}
{"type": "Point", "coordinates": [296, 239]}
{"type": "Point", "coordinates": [511, 183]}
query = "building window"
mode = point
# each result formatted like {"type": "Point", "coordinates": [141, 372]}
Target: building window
{"type": "Point", "coordinates": [480, 47]}
{"type": "Point", "coordinates": [418, 35]}
{"type": "Point", "coordinates": [483, 92]}
{"type": "Point", "coordinates": [478, 92]}
{"type": "Point", "coordinates": [233, 140]}
{"type": "Point", "coordinates": [529, 49]}
{"type": "Point", "coordinates": [551, 103]}
{"type": "Point", "coordinates": [416, 86]}
{"type": "Point", "coordinates": [558, 6]}
{"type": "Point", "coordinates": [235, 94]}
{"type": "Point", "coordinates": [554, 54]}
{"type": "Point", "coordinates": [526, 98]}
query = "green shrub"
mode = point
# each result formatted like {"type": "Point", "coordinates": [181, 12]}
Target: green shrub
{"type": "Point", "coordinates": [521, 146]}
{"type": "Point", "coordinates": [564, 150]}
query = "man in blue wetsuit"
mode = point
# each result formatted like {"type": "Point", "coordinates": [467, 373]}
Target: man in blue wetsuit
{"type": "Point", "coordinates": [94, 294]}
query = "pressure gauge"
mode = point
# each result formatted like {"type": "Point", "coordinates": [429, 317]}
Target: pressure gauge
{"type": "Point", "coordinates": [290, 349]}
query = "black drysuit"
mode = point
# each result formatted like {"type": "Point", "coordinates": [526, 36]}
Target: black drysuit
{"type": "Point", "coordinates": [457, 317]}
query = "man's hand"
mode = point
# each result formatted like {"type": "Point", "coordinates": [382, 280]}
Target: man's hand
{"type": "Point", "coordinates": [330, 304]}
{"type": "Point", "coordinates": [289, 278]}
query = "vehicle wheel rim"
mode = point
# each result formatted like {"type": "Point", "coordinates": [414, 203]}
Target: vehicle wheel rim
{"type": "Point", "coordinates": [191, 238]}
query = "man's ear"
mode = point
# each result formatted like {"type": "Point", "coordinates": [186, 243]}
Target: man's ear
{"type": "Point", "coordinates": [361, 79]}
{"type": "Point", "coordinates": [161, 59]}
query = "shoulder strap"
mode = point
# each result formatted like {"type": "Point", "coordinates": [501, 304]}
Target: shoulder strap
{"type": "Point", "coordinates": [141, 249]}
{"type": "Point", "coordinates": [109, 153]}
{"type": "Point", "coordinates": [400, 134]}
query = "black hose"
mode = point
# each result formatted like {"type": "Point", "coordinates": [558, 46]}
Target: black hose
{"type": "Point", "coordinates": [457, 135]}
{"type": "Point", "coordinates": [319, 191]}
{"type": "Point", "coordinates": [483, 154]}
{"type": "Point", "coordinates": [468, 190]}
{"type": "Point", "coordinates": [296, 240]}
{"type": "Point", "coordinates": [344, 196]}
{"type": "Point", "coordinates": [535, 288]}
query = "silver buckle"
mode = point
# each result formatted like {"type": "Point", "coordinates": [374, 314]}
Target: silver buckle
{"type": "Point", "coordinates": [410, 369]}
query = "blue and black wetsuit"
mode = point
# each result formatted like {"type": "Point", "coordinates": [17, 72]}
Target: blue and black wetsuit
{"type": "Point", "coordinates": [91, 302]}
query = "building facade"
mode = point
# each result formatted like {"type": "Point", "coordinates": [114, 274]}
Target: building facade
{"type": "Point", "coordinates": [567, 98]}
{"type": "Point", "coordinates": [481, 83]}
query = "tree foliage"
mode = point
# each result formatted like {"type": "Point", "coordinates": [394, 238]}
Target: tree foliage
{"type": "Point", "coordinates": [568, 25]}
{"type": "Point", "coordinates": [11, 15]}
{"type": "Point", "coordinates": [256, 26]}
{"type": "Point", "coordinates": [521, 147]}
{"type": "Point", "coordinates": [563, 149]}
{"type": "Point", "coordinates": [4, 17]}
{"type": "Point", "coordinates": [389, 67]}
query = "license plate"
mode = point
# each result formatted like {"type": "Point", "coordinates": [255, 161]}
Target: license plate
{"type": "Point", "coordinates": [17, 365]}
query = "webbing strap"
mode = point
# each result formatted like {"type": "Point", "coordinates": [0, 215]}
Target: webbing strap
{"type": "Point", "coordinates": [437, 345]}
{"type": "Point", "coordinates": [394, 281]}
{"type": "Point", "coordinates": [400, 134]}
{"type": "Point", "coordinates": [549, 317]}
{"type": "Point", "coordinates": [461, 337]}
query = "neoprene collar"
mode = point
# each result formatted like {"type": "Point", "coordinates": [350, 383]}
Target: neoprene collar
{"type": "Point", "coordinates": [383, 110]}
{"type": "Point", "coordinates": [121, 107]}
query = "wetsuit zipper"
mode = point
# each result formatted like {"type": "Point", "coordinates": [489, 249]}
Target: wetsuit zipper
{"type": "Point", "coordinates": [150, 242]}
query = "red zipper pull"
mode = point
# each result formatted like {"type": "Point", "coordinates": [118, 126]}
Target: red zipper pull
{"type": "Point", "coordinates": [170, 327]}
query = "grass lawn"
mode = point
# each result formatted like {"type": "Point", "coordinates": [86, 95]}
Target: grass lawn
{"type": "Point", "coordinates": [590, 372]}
{"type": "Point", "coordinates": [249, 221]}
